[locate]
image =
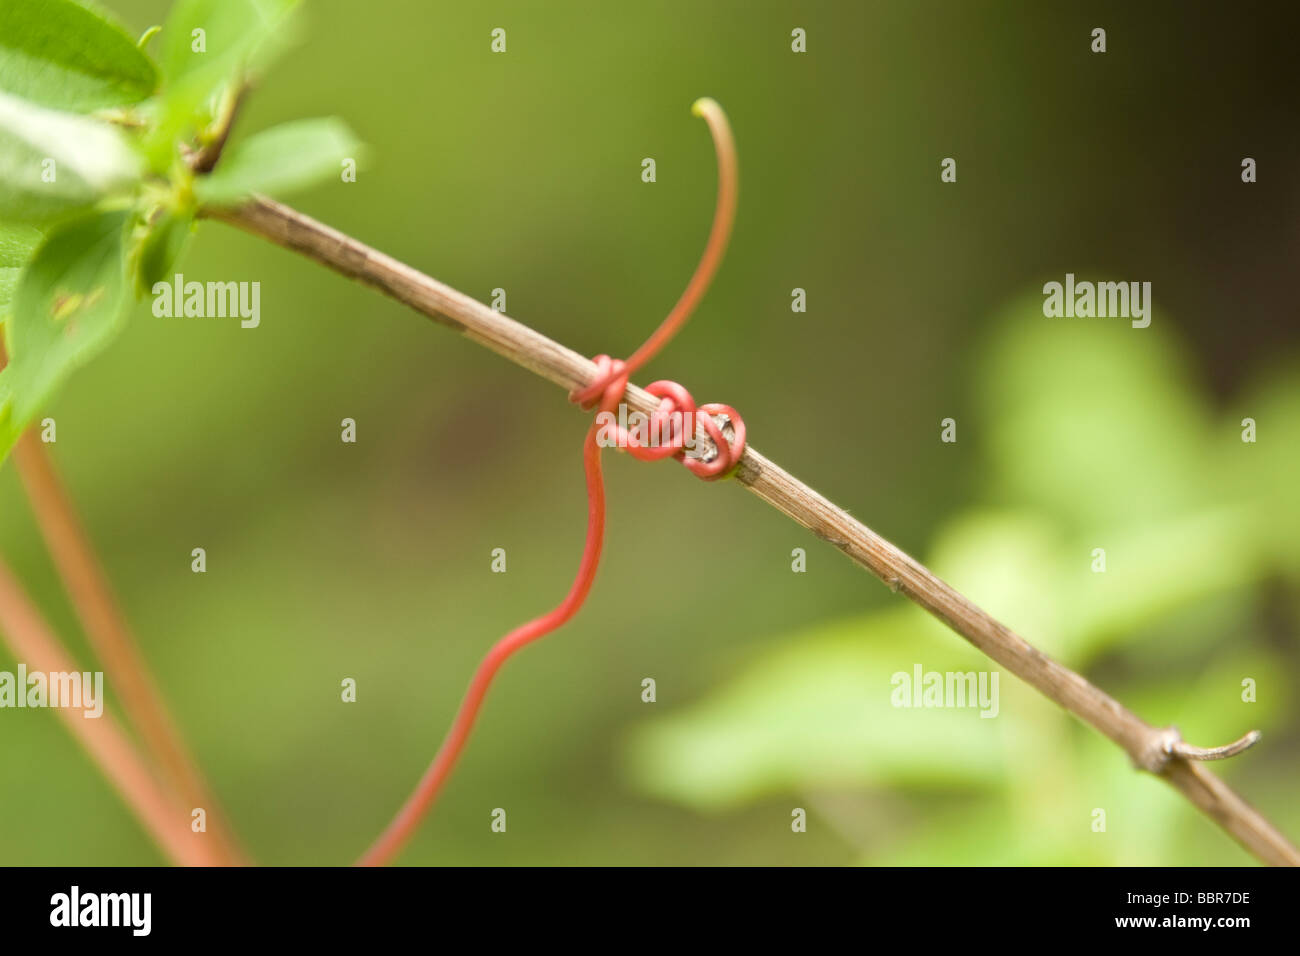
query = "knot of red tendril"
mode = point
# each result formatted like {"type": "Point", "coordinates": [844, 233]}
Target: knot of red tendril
{"type": "Point", "coordinates": [674, 420]}
{"type": "Point", "coordinates": [675, 417]}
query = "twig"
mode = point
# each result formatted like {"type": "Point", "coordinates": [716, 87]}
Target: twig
{"type": "Point", "coordinates": [87, 586]}
{"type": "Point", "coordinates": [163, 818]}
{"type": "Point", "coordinates": [1150, 748]}
{"type": "Point", "coordinates": [105, 626]}
{"type": "Point", "coordinates": [204, 160]}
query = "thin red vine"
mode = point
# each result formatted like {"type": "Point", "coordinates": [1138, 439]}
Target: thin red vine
{"type": "Point", "coordinates": [606, 391]}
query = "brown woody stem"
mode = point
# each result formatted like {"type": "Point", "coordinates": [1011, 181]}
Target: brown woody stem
{"type": "Point", "coordinates": [1147, 746]}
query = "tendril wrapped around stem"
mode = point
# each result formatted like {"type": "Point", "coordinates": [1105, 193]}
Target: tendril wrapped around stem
{"type": "Point", "coordinates": [605, 392]}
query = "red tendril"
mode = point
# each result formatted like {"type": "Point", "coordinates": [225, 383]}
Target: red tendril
{"type": "Point", "coordinates": [605, 393]}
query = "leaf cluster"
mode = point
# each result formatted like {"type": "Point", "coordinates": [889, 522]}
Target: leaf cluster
{"type": "Point", "coordinates": [107, 157]}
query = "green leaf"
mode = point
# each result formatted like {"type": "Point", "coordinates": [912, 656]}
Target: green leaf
{"type": "Point", "coordinates": [63, 55]}
{"type": "Point", "coordinates": [986, 833]}
{"type": "Point", "coordinates": [817, 713]}
{"type": "Point", "coordinates": [1094, 422]}
{"type": "Point", "coordinates": [1024, 570]}
{"type": "Point", "coordinates": [68, 306]}
{"type": "Point", "coordinates": [53, 163]}
{"type": "Point", "coordinates": [160, 246]}
{"type": "Point", "coordinates": [17, 243]}
{"type": "Point", "coordinates": [206, 45]}
{"type": "Point", "coordinates": [287, 157]}
{"type": "Point", "coordinates": [233, 33]}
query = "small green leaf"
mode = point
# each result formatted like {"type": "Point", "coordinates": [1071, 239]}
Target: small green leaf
{"type": "Point", "coordinates": [68, 306]}
{"type": "Point", "coordinates": [52, 163]}
{"type": "Point", "coordinates": [1073, 388]}
{"type": "Point", "coordinates": [233, 31]}
{"type": "Point", "coordinates": [17, 243]}
{"type": "Point", "coordinates": [818, 712]}
{"type": "Point", "coordinates": [63, 55]}
{"type": "Point", "coordinates": [160, 246]}
{"type": "Point", "coordinates": [281, 159]}
{"type": "Point", "coordinates": [207, 45]}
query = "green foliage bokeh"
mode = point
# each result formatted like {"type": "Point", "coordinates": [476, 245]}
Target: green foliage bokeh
{"type": "Point", "coordinates": [522, 171]}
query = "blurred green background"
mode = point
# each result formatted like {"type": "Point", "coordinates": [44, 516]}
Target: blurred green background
{"type": "Point", "coordinates": [522, 171]}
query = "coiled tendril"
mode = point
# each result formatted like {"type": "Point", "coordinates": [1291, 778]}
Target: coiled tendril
{"type": "Point", "coordinates": [605, 392]}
